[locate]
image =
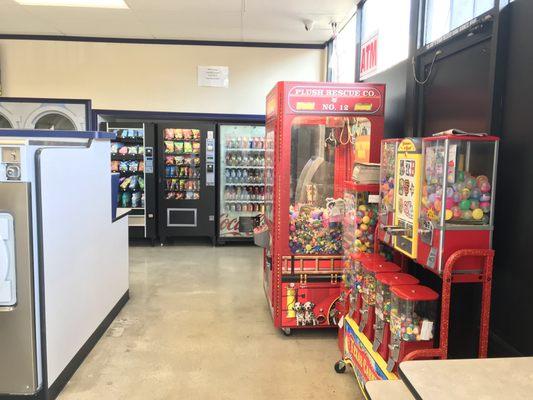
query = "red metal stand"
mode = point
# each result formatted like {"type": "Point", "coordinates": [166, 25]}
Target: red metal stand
{"type": "Point", "coordinates": [449, 277]}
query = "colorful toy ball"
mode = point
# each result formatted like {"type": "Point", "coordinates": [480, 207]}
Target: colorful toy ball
{"type": "Point", "coordinates": [456, 197]}
{"type": "Point", "coordinates": [485, 206]}
{"type": "Point", "coordinates": [362, 207]}
{"type": "Point", "coordinates": [477, 214]}
{"type": "Point", "coordinates": [460, 176]}
{"type": "Point", "coordinates": [475, 193]}
{"type": "Point", "coordinates": [366, 219]}
{"type": "Point", "coordinates": [449, 192]}
{"type": "Point", "coordinates": [474, 204]}
{"type": "Point", "coordinates": [431, 198]}
{"type": "Point", "coordinates": [448, 215]}
{"type": "Point", "coordinates": [456, 212]}
{"type": "Point", "coordinates": [465, 193]}
{"type": "Point", "coordinates": [467, 214]}
{"type": "Point", "coordinates": [485, 197]}
{"type": "Point", "coordinates": [480, 179]}
{"type": "Point", "coordinates": [471, 183]}
{"type": "Point", "coordinates": [438, 205]}
{"type": "Point", "coordinates": [464, 205]}
{"type": "Point", "coordinates": [485, 187]}
{"type": "Point", "coordinates": [449, 203]}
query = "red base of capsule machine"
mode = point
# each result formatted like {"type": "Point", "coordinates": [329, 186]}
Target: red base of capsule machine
{"type": "Point", "coordinates": [384, 283]}
{"type": "Point", "coordinates": [413, 315]}
{"type": "Point", "coordinates": [368, 314]}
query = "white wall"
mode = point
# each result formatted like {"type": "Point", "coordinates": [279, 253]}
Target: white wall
{"type": "Point", "coordinates": [151, 77]}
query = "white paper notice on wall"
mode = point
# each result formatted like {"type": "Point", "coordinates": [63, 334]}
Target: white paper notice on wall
{"type": "Point", "coordinates": [213, 76]}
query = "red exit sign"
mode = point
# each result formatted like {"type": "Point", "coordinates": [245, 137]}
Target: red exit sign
{"type": "Point", "coordinates": [369, 56]}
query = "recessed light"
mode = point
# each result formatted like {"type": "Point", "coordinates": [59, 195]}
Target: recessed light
{"type": "Point", "coordinates": [75, 3]}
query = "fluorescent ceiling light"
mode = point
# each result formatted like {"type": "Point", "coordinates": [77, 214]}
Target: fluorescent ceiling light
{"type": "Point", "coordinates": [75, 3]}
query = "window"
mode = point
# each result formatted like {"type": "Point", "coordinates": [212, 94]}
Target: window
{"type": "Point", "coordinates": [385, 35]}
{"type": "Point", "coordinates": [443, 16]}
{"type": "Point", "coordinates": [342, 60]}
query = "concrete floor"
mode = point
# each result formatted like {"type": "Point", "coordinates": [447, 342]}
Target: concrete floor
{"type": "Point", "coordinates": [197, 327]}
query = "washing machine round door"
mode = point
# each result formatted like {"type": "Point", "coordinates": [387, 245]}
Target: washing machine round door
{"type": "Point", "coordinates": [4, 123]}
{"type": "Point", "coordinates": [56, 122]}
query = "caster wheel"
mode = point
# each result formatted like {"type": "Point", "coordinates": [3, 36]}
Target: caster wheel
{"type": "Point", "coordinates": [340, 367]}
{"type": "Point", "coordinates": [286, 331]}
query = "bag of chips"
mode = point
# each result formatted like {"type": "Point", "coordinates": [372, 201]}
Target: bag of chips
{"type": "Point", "coordinates": [168, 134]}
{"type": "Point", "coordinates": [169, 146]}
{"type": "Point", "coordinates": [196, 134]}
{"type": "Point", "coordinates": [187, 134]}
{"type": "Point", "coordinates": [178, 147]}
{"type": "Point", "coordinates": [187, 147]}
{"type": "Point", "coordinates": [178, 134]}
{"type": "Point", "coordinates": [196, 147]}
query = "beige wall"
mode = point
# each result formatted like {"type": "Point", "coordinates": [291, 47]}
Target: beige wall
{"type": "Point", "coordinates": [151, 77]}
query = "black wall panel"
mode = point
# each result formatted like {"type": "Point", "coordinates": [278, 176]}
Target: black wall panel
{"type": "Point", "coordinates": [395, 79]}
{"type": "Point", "coordinates": [512, 317]}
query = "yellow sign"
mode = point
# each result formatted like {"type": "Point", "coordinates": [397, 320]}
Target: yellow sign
{"type": "Point", "coordinates": [407, 197]}
{"type": "Point", "coordinates": [305, 106]}
{"type": "Point", "coordinates": [363, 107]}
{"type": "Point", "coordinates": [407, 145]}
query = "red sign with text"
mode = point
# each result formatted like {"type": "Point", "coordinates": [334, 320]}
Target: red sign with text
{"type": "Point", "coordinates": [335, 99]}
{"type": "Point", "coordinates": [369, 56]}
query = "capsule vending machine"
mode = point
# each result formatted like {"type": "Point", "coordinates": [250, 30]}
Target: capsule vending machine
{"type": "Point", "coordinates": [387, 177]}
{"type": "Point", "coordinates": [457, 199]}
{"type": "Point", "coordinates": [313, 133]}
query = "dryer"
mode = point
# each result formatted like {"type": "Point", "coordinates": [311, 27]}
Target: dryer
{"type": "Point", "coordinates": [35, 113]}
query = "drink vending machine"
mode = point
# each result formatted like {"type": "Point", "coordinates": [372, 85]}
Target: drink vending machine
{"type": "Point", "coordinates": [436, 209]}
{"type": "Point", "coordinates": [314, 133]}
{"type": "Point", "coordinates": [241, 180]}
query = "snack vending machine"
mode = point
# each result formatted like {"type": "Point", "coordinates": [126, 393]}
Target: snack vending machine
{"type": "Point", "coordinates": [241, 180]}
{"type": "Point", "coordinates": [186, 179]}
{"type": "Point", "coordinates": [132, 155]}
{"type": "Point", "coordinates": [311, 143]}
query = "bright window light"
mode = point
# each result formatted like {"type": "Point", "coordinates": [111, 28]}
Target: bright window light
{"type": "Point", "coordinates": [75, 3]}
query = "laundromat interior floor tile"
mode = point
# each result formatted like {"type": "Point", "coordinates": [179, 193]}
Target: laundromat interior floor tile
{"type": "Point", "coordinates": [197, 326]}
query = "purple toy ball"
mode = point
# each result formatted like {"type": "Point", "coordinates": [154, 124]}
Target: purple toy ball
{"type": "Point", "coordinates": [449, 192]}
{"type": "Point", "coordinates": [431, 198]}
{"type": "Point", "coordinates": [456, 197]}
{"type": "Point", "coordinates": [484, 197]}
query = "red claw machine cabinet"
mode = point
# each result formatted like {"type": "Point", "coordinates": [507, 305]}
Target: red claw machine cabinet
{"type": "Point", "coordinates": [312, 138]}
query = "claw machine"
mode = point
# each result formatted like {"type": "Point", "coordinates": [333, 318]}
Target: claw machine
{"type": "Point", "coordinates": [132, 156]}
{"type": "Point", "coordinates": [187, 172]}
{"type": "Point", "coordinates": [241, 181]}
{"type": "Point", "coordinates": [310, 147]}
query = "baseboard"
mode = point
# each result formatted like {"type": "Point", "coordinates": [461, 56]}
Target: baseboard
{"type": "Point", "coordinates": [75, 363]}
{"type": "Point", "coordinates": [40, 395]}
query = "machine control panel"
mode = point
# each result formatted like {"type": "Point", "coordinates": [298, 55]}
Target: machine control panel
{"type": "Point", "coordinates": [149, 160]}
{"type": "Point", "coordinates": [210, 159]}
{"type": "Point", "coordinates": [11, 165]}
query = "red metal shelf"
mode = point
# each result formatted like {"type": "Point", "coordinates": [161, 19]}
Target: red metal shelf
{"type": "Point", "coordinates": [369, 187]}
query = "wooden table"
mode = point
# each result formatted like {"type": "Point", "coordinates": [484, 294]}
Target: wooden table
{"type": "Point", "coordinates": [388, 390]}
{"type": "Point", "coordinates": [480, 379]}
